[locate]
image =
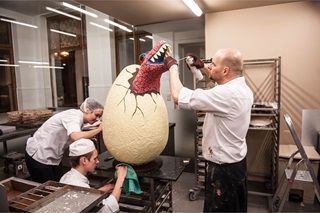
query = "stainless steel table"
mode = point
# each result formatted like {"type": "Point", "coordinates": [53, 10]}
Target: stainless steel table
{"type": "Point", "coordinates": [19, 132]}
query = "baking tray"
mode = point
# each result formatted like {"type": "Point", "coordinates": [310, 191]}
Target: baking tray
{"type": "Point", "coordinates": [57, 197]}
{"type": "Point", "coordinates": [260, 122]}
{"type": "Point", "coordinates": [16, 186]}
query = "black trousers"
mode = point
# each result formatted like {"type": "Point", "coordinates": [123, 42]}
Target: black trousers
{"type": "Point", "coordinates": [41, 172]}
{"type": "Point", "coordinates": [226, 187]}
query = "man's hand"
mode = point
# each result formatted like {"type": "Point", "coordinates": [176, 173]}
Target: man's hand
{"type": "Point", "coordinates": [197, 62]}
{"type": "Point", "coordinates": [107, 188]}
{"type": "Point", "coordinates": [169, 61]}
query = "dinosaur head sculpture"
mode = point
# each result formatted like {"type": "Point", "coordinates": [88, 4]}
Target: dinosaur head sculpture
{"type": "Point", "coordinates": [147, 79]}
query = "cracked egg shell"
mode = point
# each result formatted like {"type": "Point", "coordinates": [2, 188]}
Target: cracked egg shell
{"type": "Point", "coordinates": [135, 127]}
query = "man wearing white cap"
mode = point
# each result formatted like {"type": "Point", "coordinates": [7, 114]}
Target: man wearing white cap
{"type": "Point", "coordinates": [84, 159]}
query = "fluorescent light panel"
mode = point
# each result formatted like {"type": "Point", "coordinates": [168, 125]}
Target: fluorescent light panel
{"type": "Point", "coordinates": [9, 65]}
{"type": "Point", "coordinates": [193, 7]}
{"type": "Point", "coordinates": [3, 60]}
{"type": "Point", "coordinates": [79, 9]}
{"type": "Point", "coordinates": [32, 62]}
{"type": "Point", "coordinates": [103, 27]}
{"type": "Point", "coordinates": [63, 13]}
{"type": "Point", "coordinates": [64, 33]}
{"type": "Point", "coordinates": [118, 25]}
{"type": "Point", "coordinates": [149, 36]}
{"type": "Point", "coordinates": [38, 67]}
{"type": "Point", "coordinates": [19, 23]}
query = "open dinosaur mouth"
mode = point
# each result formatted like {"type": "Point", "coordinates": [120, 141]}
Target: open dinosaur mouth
{"type": "Point", "coordinates": [163, 52]}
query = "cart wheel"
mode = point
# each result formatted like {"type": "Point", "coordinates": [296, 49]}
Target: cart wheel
{"type": "Point", "coordinates": [193, 194]}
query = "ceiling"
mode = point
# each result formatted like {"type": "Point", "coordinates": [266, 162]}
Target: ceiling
{"type": "Point", "coordinates": [141, 12]}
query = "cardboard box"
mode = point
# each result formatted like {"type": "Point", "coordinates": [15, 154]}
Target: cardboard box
{"type": "Point", "coordinates": [306, 188]}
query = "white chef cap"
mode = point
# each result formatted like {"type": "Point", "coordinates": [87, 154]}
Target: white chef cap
{"type": "Point", "coordinates": [91, 104]}
{"type": "Point", "coordinates": [81, 147]}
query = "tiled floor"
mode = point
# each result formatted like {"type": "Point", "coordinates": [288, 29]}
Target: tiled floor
{"type": "Point", "coordinates": [181, 202]}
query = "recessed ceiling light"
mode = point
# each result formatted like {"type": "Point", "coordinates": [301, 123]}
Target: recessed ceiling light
{"type": "Point", "coordinates": [193, 7]}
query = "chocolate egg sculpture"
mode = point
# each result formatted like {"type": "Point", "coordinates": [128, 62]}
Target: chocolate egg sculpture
{"type": "Point", "coordinates": [135, 119]}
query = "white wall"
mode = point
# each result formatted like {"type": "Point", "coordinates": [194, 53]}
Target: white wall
{"type": "Point", "coordinates": [291, 31]}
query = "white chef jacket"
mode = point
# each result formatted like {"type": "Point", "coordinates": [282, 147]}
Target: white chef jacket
{"type": "Point", "coordinates": [48, 143]}
{"type": "Point", "coordinates": [227, 119]}
{"type": "Point", "coordinates": [73, 177]}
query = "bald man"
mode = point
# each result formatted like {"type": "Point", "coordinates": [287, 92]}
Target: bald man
{"type": "Point", "coordinates": [228, 111]}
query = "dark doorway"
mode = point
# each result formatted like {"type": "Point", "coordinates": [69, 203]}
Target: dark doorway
{"type": "Point", "coordinates": [8, 94]}
{"type": "Point", "coordinates": [65, 81]}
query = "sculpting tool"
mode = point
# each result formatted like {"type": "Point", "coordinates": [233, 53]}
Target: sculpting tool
{"type": "Point", "coordinates": [182, 58]}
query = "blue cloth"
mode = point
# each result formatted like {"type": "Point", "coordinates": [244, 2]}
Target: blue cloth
{"type": "Point", "coordinates": [131, 182]}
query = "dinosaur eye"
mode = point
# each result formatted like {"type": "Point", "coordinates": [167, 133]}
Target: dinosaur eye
{"type": "Point", "coordinates": [142, 56]}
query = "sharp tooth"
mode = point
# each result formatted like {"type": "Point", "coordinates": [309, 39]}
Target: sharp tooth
{"type": "Point", "coordinates": [169, 49]}
{"type": "Point", "coordinates": [155, 56]}
{"type": "Point", "coordinates": [152, 59]}
{"type": "Point", "coordinates": [158, 53]}
{"type": "Point", "coordinates": [162, 49]}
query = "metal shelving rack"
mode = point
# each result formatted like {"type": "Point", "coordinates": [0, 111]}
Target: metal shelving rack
{"type": "Point", "coordinates": [200, 164]}
{"type": "Point", "coordinates": [263, 76]}
{"type": "Point", "coordinates": [156, 197]}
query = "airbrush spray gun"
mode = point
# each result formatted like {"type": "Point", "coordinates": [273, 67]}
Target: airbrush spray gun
{"type": "Point", "coordinates": [196, 72]}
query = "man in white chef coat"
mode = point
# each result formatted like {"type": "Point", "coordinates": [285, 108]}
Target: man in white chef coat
{"type": "Point", "coordinates": [83, 159]}
{"type": "Point", "coordinates": [228, 111]}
